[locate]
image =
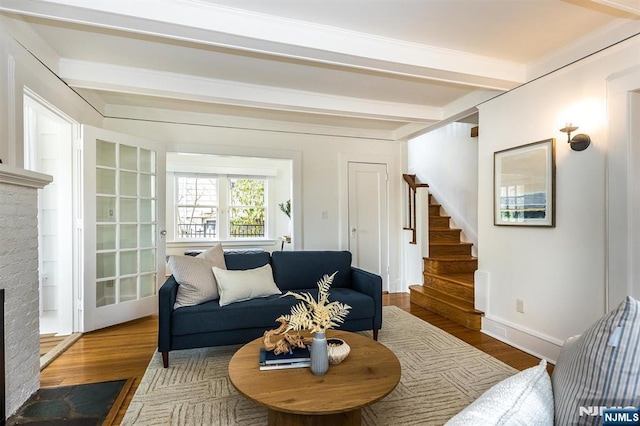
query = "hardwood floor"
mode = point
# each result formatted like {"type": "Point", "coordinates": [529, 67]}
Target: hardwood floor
{"type": "Point", "coordinates": [125, 350]}
{"type": "Point", "coordinates": [48, 342]}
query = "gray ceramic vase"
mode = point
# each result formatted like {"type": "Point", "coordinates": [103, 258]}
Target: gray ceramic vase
{"type": "Point", "coordinates": [319, 354]}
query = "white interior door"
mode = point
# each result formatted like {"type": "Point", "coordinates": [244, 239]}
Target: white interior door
{"type": "Point", "coordinates": [368, 218]}
{"type": "Point", "coordinates": [123, 227]}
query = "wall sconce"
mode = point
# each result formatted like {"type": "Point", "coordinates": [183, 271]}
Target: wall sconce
{"type": "Point", "coordinates": [579, 142]}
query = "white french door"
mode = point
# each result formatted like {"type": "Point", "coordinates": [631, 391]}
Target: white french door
{"type": "Point", "coordinates": [122, 232]}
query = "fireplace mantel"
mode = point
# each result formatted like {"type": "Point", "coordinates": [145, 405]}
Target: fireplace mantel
{"type": "Point", "coordinates": [15, 176]}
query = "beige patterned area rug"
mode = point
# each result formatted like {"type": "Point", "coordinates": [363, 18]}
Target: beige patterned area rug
{"type": "Point", "coordinates": [440, 376]}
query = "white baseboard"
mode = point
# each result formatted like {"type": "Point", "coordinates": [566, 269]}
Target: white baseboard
{"type": "Point", "coordinates": [529, 341]}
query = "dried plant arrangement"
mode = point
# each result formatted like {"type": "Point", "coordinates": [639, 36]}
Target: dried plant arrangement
{"type": "Point", "coordinates": [316, 316]}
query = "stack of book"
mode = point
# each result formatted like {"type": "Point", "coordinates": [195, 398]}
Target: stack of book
{"type": "Point", "coordinates": [296, 358]}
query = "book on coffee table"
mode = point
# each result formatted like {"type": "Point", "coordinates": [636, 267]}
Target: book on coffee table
{"type": "Point", "coordinates": [284, 365]}
{"type": "Point", "coordinates": [294, 355]}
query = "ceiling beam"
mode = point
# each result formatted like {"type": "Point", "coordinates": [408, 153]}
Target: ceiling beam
{"type": "Point", "coordinates": [108, 77]}
{"type": "Point", "coordinates": [628, 6]}
{"type": "Point", "coordinates": [210, 24]}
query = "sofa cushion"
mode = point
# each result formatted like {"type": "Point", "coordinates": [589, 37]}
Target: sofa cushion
{"type": "Point", "coordinates": [303, 269]}
{"type": "Point", "coordinates": [522, 399]}
{"type": "Point", "coordinates": [258, 313]}
{"type": "Point", "coordinates": [601, 367]}
{"type": "Point", "coordinates": [246, 259]}
{"type": "Point", "coordinates": [197, 284]}
{"type": "Point", "coordinates": [237, 286]}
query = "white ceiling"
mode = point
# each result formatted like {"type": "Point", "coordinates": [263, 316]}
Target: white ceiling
{"type": "Point", "coordinates": [385, 68]}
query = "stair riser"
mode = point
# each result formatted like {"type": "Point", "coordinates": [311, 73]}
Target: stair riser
{"type": "Point", "coordinates": [435, 266]}
{"type": "Point", "coordinates": [448, 287]}
{"type": "Point", "coordinates": [434, 210]}
{"type": "Point", "coordinates": [464, 305]}
{"type": "Point", "coordinates": [447, 250]}
{"type": "Point", "coordinates": [444, 236]}
{"type": "Point", "coordinates": [438, 222]}
{"type": "Point", "coordinates": [472, 321]}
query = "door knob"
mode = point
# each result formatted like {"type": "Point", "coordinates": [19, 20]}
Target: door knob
{"type": "Point", "coordinates": [163, 232]}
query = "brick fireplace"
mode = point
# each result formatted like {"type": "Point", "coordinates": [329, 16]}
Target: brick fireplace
{"type": "Point", "coordinates": [19, 280]}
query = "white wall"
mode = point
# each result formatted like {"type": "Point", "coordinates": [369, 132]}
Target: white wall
{"type": "Point", "coordinates": [319, 162]}
{"type": "Point", "coordinates": [558, 272]}
{"type": "Point", "coordinates": [447, 160]}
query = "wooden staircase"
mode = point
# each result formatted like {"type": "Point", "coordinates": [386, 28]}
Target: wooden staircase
{"type": "Point", "coordinates": [448, 287]}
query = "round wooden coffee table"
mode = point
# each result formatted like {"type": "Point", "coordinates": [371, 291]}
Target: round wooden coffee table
{"type": "Point", "coordinates": [297, 397]}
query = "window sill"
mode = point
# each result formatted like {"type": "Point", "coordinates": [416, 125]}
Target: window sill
{"type": "Point", "coordinates": [225, 243]}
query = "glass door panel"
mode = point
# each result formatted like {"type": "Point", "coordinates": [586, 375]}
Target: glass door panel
{"type": "Point", "coordinates": [105, 237]}
{"type": "Point", "coordinates": [126, 195]}
{"type": "Point", "coordinates": [106, 265]}
{"type": "Point", "coordinates": [147, 260]}
{"type": "Point", "coordinates": [128, 157]}
{"type": "Point", "coordinates": [128, 262]}
{"type": "Point", "coordinates": [106, 207]}
{"type": "Point", "coordinates": [128, 289]}
{"type": "Point", "coordinates": [147, 235]}
{"type": "Point", "coordinates": [128, 210]}
{"type": "Point", "coordinates": [105, 154]}
{"type": "Point", "coordinates": [128, 236]}
{"type": "Point", "coordinates": [147, 285]}
{"type": "Point", "coordinates": [128, 184]}
{"type": "Point", "coordinates": [106, 181]}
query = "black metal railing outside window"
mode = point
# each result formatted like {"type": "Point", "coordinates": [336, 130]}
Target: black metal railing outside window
{"type": "Point", "coordinates": [247, 230]}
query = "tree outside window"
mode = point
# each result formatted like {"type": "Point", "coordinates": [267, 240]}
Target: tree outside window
{"type": "Point", "coordinates": [197, 207]}
{"type": "Point", "coordinates": [247, 207]}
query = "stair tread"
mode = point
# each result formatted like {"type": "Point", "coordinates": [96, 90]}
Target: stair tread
{"type": "Point", "coordinates": [454, 302]}
{"type": "Point", "coordinates": [450, 243]}
{"type": "Point", "coordinates": [463, 278]}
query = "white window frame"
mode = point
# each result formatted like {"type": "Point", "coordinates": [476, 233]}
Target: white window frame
{"type": "Point", "coordinates": [222, 225]}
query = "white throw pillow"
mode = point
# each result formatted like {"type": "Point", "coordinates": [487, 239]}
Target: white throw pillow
{"type": "Point", "coordinates": [236, 286]}
{"type": "Point", "coordinates": [522, 399]}
{"type": "Point", "coordinates": [197, 284]}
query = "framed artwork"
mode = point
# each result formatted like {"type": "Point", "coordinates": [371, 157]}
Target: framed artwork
{"type": "Point", "coordinates": [524, 180]}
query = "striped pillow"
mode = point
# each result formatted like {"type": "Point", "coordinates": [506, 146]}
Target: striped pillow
{"type": "Point", "coordinates": [197, 284]}
{"type": "Point", "coordinates": [601, 368]}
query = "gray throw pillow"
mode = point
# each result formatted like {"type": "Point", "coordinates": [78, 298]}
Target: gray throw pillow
{"type": "Point", "coordinates": [197, 284]}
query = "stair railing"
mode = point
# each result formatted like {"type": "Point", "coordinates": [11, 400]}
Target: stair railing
{"type": "Point", "coordinates": [415, 244]}
{"type": "Point", "coordinates": [412, 185]}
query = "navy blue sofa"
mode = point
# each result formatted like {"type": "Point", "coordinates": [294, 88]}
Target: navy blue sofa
{"type": "Point", "coordinates": [209, 324]}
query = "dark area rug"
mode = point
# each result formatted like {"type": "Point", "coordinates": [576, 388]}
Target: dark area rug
{"type": "Point", "coordinates": [85, 404]}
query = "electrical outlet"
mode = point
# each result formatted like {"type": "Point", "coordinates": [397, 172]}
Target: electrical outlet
{"type": "Point", "coordinates": [520, 305]}
{"type": "Point", "coordinates": [324, 214]}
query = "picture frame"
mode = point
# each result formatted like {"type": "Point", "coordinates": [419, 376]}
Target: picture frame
{"type": "Point", "coordinates": [524, 180]}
